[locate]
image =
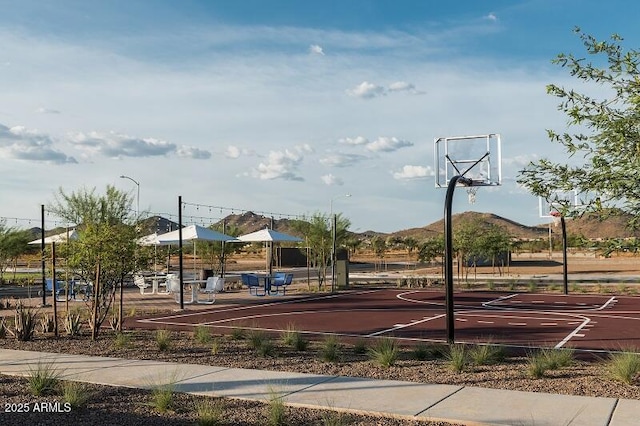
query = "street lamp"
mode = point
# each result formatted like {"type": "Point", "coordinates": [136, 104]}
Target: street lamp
{"type": "Point", "coordinates": [333, 219]}
{"type": "Point", "coordinates": [138, 193]}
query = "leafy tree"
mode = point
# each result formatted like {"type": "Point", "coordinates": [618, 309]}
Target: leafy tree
{"type": "Point", "coordinates": [13, 243]}
{"type": "Point", "coordinates": [211, 251]}
{"type": "Point", "coordinates": [431, 249]}
{"type": "Point", "coordinates": [380, 247]}
{"type": "Point", "coordinates": [410, 244]}
{"type": "Point", "coordinates": [317, 232]}
{"type": "Point", "coordinates": [494, 243]}
{"type": "Point", "coordinates": [604, 148]}
{"type": "Point", "coordinates": [106, 250]}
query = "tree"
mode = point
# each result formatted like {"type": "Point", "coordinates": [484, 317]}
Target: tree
{"type": "Point", "coordinates": [604, 151]}
{"type": "Point", "coordinates": [317, 232]}
{"type": "Point", "coordinates": [13, 243]}
{"type": "Point", "coordinates": [106, 250]}
{"type": "Point", "coordinates": [379, 246]}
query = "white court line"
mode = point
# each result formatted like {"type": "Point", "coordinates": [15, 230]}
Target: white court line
{"type": "Point", "coordinates": [573, 334]}
{"type": "Point", "coordinates": [549, 323]}
{"type": "Point", "coordinates": [517, 323]}
{"type": "Point", "coordinates": [377, 333]}
{"type": "Point", "coordinates": [485, 322]}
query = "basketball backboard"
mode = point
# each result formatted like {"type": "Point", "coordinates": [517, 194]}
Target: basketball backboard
{"type": "Point", "coordinates": [558, 201]}
{"type": "Point", "coordinates": [476, 158]}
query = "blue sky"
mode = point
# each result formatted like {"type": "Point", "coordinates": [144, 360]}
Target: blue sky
{"type": "Point", "coordinates": [282, 107]}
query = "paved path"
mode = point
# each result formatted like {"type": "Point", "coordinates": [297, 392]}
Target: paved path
{"type": "Point", "coordinates": [456, 404]}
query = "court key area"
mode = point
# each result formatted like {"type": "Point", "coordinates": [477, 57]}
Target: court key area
{"type": "Point", "coordinates": [585, 322]}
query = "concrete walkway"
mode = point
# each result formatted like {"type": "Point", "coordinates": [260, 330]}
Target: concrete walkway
{"type": "Point", "coordinates": [455, 404]}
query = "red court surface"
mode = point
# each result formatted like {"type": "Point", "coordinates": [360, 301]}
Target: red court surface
{"type": "Point", "coordinates": [589, 322]}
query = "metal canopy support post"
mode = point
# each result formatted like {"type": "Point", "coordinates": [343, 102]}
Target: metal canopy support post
{"type": "Point", "coordinates": [180, 251]}
{"type": "Point", "coordinates": [43, 260]}
{"type": "Point", "coordinates": [334, 231]}
{"type": "Point", "coordinates": [564, 255]}
{"type": "Point", "coordinates": [448, 254]}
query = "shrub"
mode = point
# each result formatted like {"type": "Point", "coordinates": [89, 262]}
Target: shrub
{"type": "Point", "coordinates": [72, 324]}
{"type": "Point", "coordinates": [360, 347]}
{"type": "Point", "coordinates": [215, 346]}
{"type": "Point", "coordinates": [457, 358]}
{"type": "Point", "coordinates": [114, 321]}
{"type": "Point", "coordinates": [256, 338]}
{"type": "Point", "coordinates": [163, 339]}
{"type": "Point", "coordinates": [162, 397]}
{"type": "Point", "coordinates": [537, 365]}
{"type": "Point", "coordinates": [277, 410]}
{"type": "Point", "coordinates": [532, 286]}
{"type": "Point", "coordinates": [210, 412]}
{"type": "Point", "coordinates": [385, 352]}
{"type": "Point", "coordinates": [623, 367]}
{"type": "Point", "coordinates": [330, 350]}
{"type": "Point", "coordinates": [486, 354]}
{"type": "Point", "coordinates": [3, 328]}
{"type": "Point", "coordinates": [202, 334]}
{"type": "Point", "coordinates": [238, 334]}
{"type": "Point", "coordinates": [24, 323]}
{"type": "Point", "coordinates": [43, 380]}
{"type": "Point", "coordinates": [292, 337]}
{"type": "Point", "coordinates": [75, 393]}
{"type": "Point", "coordinates": [122, 340]}
{"type": "Point", "coordinates": [557, 358]}
{"type": "Point", "coordinates": [46, 323]}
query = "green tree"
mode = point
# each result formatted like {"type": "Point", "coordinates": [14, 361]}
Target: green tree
{"type": "Point", "coordinates": [431, 249]}
{"type": "Point", "coordinates": [13, 243]}
{"type": "Point", "coordinates": [317, 232]}
{"type": "Point", "coordinates": [379, 247]}
{"type": "Point", "coordinates": [106, 251]}
{"type": "Point", "coordinates": [603, 136]}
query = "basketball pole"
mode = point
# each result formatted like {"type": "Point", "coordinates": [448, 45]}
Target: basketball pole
{"type": "Point", "coordinates": [564, 255]}
{"type": "Point", "coordinates": [448, 254]}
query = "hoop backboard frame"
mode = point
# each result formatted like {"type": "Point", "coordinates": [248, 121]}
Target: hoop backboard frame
{"type": "Point", "coordinates": [477, 158]}
{"type": "Point", "coordinates": [557, 202]}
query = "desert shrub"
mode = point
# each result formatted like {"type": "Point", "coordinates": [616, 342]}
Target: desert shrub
{"type": "Point", "coordinates": [292, 337]}
{"type": "Point", "coordinates": [202, 334]}
{"type": "Point", "coordinates": [210, 412]}
{"type": "Point", "coordinates": [122, 340]}
{"type": "Point", "coordinates": [491, 285]}
{"type": "Point", "coordinates": [72, 324]}
{"type": "Point", "coordinates": [215, 346]}
{"type": "Point", "coordinates": [360, 347]}
{"type": "Point", "coordinates": [3, 328]}
{"type": "Point", "coordinates": [486, 354]}
{"type": "Point", "coordinates": [537, 364]}
{"type": "Point", "coordinates": [330, 349]}
{"type": "Point", "coordinates": [163, 339]}
{"type": "Point", "coordinates": [75, 394]}
{"type": "Point", "coordinates": [457, 358]}
{"type": "Point", "coordinates": [114, 320]}
{"type": "Point", "coordinates": [43, 380]}
{"type": "Point", "coordinates": [238, 334]}
{"type": "Point", "coordinates": [24, 323]}
{"type": "Point", "coordinates": [256, 338]}
{"type": "Point", "coordinates": [277, 410]}
{"type": "Point", "coordinates": [623, 367]}
{"type": "Point", "coordinates": [46, 323]}
{"type": "Point", "coordinates": [532, 286]}
{"type": "Point", "coordinates": [162, 397]}
{"type": "Point", "coordinates": [557, 358]}
{"type": "Point", "coordinates": [385, 352]}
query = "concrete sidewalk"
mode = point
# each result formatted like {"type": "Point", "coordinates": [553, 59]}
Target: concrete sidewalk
{"type": "Point", "coordinates": [456, 404]}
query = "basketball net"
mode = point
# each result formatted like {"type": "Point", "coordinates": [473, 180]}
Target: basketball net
{"type": "Point", "coordinates": [471, 193]}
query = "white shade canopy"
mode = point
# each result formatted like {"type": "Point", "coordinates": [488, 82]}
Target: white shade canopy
{"type": "Point", "coordinates": [266, 235]}
{"type": "Point", "coordinates": [193, 232]}
{"type": "Point", "coordinates": [151, 240]}
{"type": "Point", "coordinates": [58, 238]}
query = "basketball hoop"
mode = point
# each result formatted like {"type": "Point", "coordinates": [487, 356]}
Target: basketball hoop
{"type": "Point", "coordinates": [471, 193]}
{"type": "Point", "coordinates": [556, 216]}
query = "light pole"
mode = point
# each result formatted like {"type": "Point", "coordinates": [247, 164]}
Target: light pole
{"type": "Point", "coordinates": [138, 193]}
{"type": "Point", "coordinates": [334, 230]}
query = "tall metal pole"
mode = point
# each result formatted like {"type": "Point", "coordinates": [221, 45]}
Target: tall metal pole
{"type": "Point", "coordinates": [138, 193]}
{"type": "Point", "coordinates": [43, 261]}
{"type": "Point", "coordinates": [448, 255]}
{"type": "Point", "coordinates": [180, 251]}
{"type": "Point", "coordinates": [564, 255]}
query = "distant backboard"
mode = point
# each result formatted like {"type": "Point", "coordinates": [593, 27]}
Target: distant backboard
{"type": "Point", "coordinates": [558, 201]}
{"type": "Point", "coordinates": [477, 158]}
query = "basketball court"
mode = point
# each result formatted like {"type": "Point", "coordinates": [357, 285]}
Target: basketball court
{"type": "Point", "coordinates": [585, 322]}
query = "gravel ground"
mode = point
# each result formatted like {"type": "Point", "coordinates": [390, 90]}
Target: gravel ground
{"type": "Point", "coordinates": [128, 406]}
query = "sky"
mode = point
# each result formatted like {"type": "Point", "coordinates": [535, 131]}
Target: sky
{"type": "Point", "coordinates": [284, 107]}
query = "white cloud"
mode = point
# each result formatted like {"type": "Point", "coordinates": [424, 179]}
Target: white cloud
{"type": "Point", "coordinates": [384, 144]}
{"type": "Point", "coordinates": [316, 50]}
{"type": "Point", "coordinates": [358, 140]}
{"type": "Point", "coordinates": [20, 143]}
{"type": "Point", "coordinates": [332, 180]}
{"type": "Point", "coordinates": [519, 160]}
{"type": "Point", "coordinates": [193, 153]}
{"type": "Point", "coordinates": [233, 152]}
{"type": "Point", "coordinates": [366, 90]}
{"type": "Point", "coordinates": [491, 17]}
{"type": "Point", "coordinates": [413, 172]}
{"type": "Point", "coordinates": [115, 145]}
{"type": "Point", "coordinates": [341, 160]}
{"type": "Point", "coordinates": [43, 110]}
{"type": "Point", "coordinates": [280, 165]}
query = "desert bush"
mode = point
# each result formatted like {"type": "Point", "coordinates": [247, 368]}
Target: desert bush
{"type": "Point", "coordinates": [360, 347]}
{"type": "Point", "coordinates": [3, 328]}
{"type": "Point", "coordinates": [277, 410]}
{"type": "Point", "coordinates": [210, 412]}
{"type": "Point", "coordinates": [238, 334]}
{"type": "Point", "coordinates": [202, 334]}
{"type": "Point", "coordinates": [46, 323]}
{"type": "Point", "coordinates": [486, 354]}
{"type": "Point", "coordinates": [385, 352]}
{"type": "Point", "coordinates": [292, 337]}
{"type": "Point", "coordinates": [75, 394]}
{"type": "Point", "coordinates": [623, 367]}
{"type": "Point", "coordinates": [162, 396]}
{"type": "Point", "coordinates": [532, 286]}
{"type": "Point", "coordinates": [256, 338]}
{"type": "Point", "coordinates": [457, 358]}
{"type": "Point", "coordinates": [537, 365]}
{"type": "Point", "coordinates": [215, 346]}
{"type": "Point", "coordinates": [330, 349]}
{"type": "Point", "coordinates": [557, 358]}
{"type": "Point", "coordinates": [163, 339]}
{"type": "Point", "coordinates": [73, 324]}
{"type": "Point", "coordinates": [122, 340]}
{"type": "Point", "coordinates": [24, 323]}
{"type": "Point", "coordinates": [43, 380]}
{"type": "Point", "coordinates": [114, 321]}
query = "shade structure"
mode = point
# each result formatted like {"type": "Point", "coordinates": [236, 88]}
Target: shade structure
{"type": "Point", "coordinates": [62, 237]}
{"type": "Point", "coordinates": [151, 240]}
{"type": "Point", "coordinates": [194, 232]}
{"type": "Point", "coordinates": [268, 236]}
